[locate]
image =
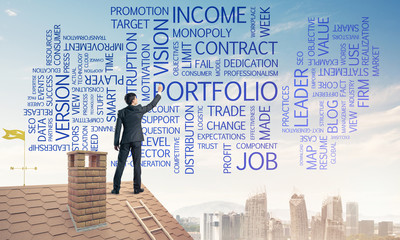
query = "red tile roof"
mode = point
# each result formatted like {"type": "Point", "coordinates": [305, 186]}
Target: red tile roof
{"type": "Point", "coordinates": [40, 212]}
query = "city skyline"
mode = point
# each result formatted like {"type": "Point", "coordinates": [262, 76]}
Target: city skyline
{"type": "Point", "coordinates": [328, 224]}
{"type": "Point", "coordinates": [283, 214]}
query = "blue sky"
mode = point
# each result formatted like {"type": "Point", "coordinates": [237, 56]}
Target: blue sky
{"type": "Point", "coordinates": [368, 172]}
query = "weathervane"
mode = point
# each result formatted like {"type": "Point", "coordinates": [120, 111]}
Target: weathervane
{"type": "Point", "coordinates": [17, 134]}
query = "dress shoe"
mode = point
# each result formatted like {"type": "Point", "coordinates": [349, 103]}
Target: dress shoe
{"type": "Point", "coordinates": [137, 191]}
{"type": "Point", "coordinates": [115, 191]}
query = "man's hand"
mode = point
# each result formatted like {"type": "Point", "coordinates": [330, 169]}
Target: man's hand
{"type": "Point", "coordinates": [160, 88]}
{"type": "Point", "coordinates": [116, 148]}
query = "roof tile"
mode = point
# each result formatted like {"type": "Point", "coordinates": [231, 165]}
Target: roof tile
{"type": "Point", "coordinates": [122, 234]}
{"type": "Point", "coordinates": [34, 203]}
{"type": "Point", "coordinates": [120, 213]}
{"type": "Point", "coordinates": [113, 201]}
{"type": "Point", "coordinates": [40, 212]}
{"type": "Point", "coordinates": [65, 215]}
{"type": "Point", "coordinates": [15, 194]}
{"type": "Point", "coordinates": [16, 201]}
{"type": "Point", "coordinates": [20, 217]}
{"type": "Point", "coordinates": [160, 235]}
{"type": "Point", "coordinates": [72, 232]}
{"type": "Point", "coordinates": [106, 233]}
{"type": "Point", "coordinates": [68, 223]}
{"type": "Point", "coordinates": [3, 198]}
{"type": "Point", "coordinates": [62, 200]}
{"type": "Point", "coordinates": [4, 191]}
{"type": "Point", "coordinates": [3, 206]}
{"type": "Point", "coordinates": [36, 211]}
{"type": "Point", "coordinates": [49, 199]}
{"type": "Point", "coordinates": [43, 236]}
{"type": "Point", "coordinates": [39, 228]}
{"type": "Point", "coordinates": [5, 234]}
{"type": "Point", "coordinates": [21, 235]}
{"type": "Point", "coordinates": [33, 196]}
{"type": "Point", "coordinates": [138, 235]}
{"type": "Point", "coordinates": [4, 224]}
{"type": "Point", "coordinates": [53, 213]}
{"type": "Point", "coordinates": [61, 194]}
{"type": "Point", "coordinates": [4, 215]}
{"type": "Point", "coordinates": [117, 226]}
{"type": "Point", "coordinates": [46, 192]}
{"type": "Point", "coordinates": [63, 236]}
{"type": "Point", "coordinates": [79, 237]}
{"type": "Point", "coordinates": [54, 221]}
{"type": "Point", "coordinates": [19, 227]}
{"type": "Point", "coordinates": [112, 219]}
{"type": "Point", "coordinates": [97, 238]}
{"type": "Point", "coordinates": [51, 205]}
{"type": "Point", "coordinates": [131, 229]}
{"type": "Point", "coordinates": [57, 230]}
{"type": "Point", "coordinates": [93, 233]}
{"type": "Point", "coordinates": [17, 209]}
{"type": "Point", "coordinates": [126, 220]}
{"type": "Point", "coordinates": [37, 219]}
{"type": "Point", "coordinates": [30, 190]}
{"type": "Point", "coordinates": [59, 189]}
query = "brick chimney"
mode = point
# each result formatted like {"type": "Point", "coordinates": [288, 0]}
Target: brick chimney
{"type": "Point", "coordinates": [87, 189]}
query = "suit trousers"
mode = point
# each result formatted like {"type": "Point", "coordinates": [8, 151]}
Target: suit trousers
{"type": "Point", "coordinates": [136, 149]}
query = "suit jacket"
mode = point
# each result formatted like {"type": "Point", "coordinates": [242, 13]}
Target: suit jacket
{"type": "Point", "coordinates": [131, 118]}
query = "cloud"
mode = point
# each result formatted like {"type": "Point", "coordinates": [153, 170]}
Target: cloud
{"type": "Point", "coordinates": [386, 96]}
{"type": "Point", "coordinates": [11, 13]}
{"type": "Point", "coordinates": [1, 38]}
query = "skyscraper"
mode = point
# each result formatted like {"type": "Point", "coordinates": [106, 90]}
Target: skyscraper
{"type": "Point", "coordinates": [210, 227]}
{"type": "Point", "coordinates": [226, 227]}
{"type": "Point", "coordinates": [298, 218]}
{"type": "Point", "coordinates": [219, 226]}
{"type": "Point", "coordinates": [351, 218]}
{"type": "Point", "coordinates": [230, 226]}
{"type": "Point", "coordinates": [256, 218]}
{"type": "Point", "coordinates": [236, 223]}
{"type": "Point", "coordinates": [332, 219]}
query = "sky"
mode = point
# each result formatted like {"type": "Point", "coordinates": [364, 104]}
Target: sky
{"type": "Point", "coordinates": [368, 164]}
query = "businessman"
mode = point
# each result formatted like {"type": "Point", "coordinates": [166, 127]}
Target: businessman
{"type": "Point", "coordinates": [132, 137]}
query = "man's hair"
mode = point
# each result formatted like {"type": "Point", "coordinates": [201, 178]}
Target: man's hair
{"type": "Point", "coordinates": [129, 97]}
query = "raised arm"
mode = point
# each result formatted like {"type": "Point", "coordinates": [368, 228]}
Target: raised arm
{"type": "Point", "coordinates": [156, 99]}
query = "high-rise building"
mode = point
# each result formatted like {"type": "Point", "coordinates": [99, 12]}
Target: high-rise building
{"type": "Point", "coordinates": [219, 226]}
{"type": "Point", "coordinates": [366, 228]}
{"type": "Point", "coordinates": [385, 228]}
{"type": "Point", "coordinates": [351, 218]}
{"type": "Point", "coordinates": [332, 219]}
{"type": "Point", "coordinates": [256, 218]}
{"type": "Point", "coordinates": [226, 227]}
{"type": "Point", "coordinates": [298, 218]}
{"type": "Point", "coordinates": [275, 231]}
{"type": "Point", "coordinates": [317, 228]}
{"type": "Point", "coordinates": [236, 225]}
{"type": "Point", "coordinates": [210, 227]}
{"type": "Point", "coordinates": [286, 230]}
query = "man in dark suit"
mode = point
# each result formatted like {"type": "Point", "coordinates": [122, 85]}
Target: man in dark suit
{"type": "Point", "coordinates": [132, 137]}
